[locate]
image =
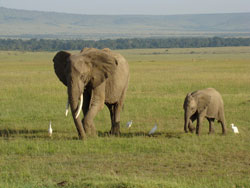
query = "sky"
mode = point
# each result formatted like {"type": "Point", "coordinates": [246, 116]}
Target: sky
{"type": "Point", "coordinates": [135, 7]}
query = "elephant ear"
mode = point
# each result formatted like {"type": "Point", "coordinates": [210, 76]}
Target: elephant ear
{"type": "Point", "coordinates": [187, 98]}
{"type": "Point", "coordinates": [203, 102]}
{"type": "Point", "coordinates": [103, 66]}
{"type": "Point", "coordinates": [60, 62]}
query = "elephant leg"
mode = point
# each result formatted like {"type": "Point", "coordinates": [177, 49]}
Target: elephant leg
{"type": "Point", "coordinates": [224, 131]}
{"type": "Point", "coordinates": [112, 110]}
{"type": "Point", "coordinates": [86, 102]}
{"type": "Point", "coordinates": [115, 129]}
{"type": "Point", "coordinates": [211, 125]}
{"type": "Point", "coordinates": [190, 127]}
{"type": "Point", "coordinates": [96, 104]}
{"type": "Point", "coordinates": [199, 122]}
{"type": "Point", "coordinates": [89, 119]}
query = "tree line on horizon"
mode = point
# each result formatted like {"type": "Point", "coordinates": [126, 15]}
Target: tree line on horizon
{"type": "Point", "coordinates": [135, 43]}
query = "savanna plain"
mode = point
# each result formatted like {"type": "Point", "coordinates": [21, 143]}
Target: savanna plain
{"type": "Point", "coordinates": [31, 96]}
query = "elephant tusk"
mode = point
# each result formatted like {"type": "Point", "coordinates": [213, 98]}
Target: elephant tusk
{"type": "Point", "coordinates": [80, 106]}
{"type": "Point", "coordinates": [67, 109]}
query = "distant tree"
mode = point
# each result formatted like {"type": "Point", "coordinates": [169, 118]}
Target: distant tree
{"type": "Point", "coordinates": [54, 45]}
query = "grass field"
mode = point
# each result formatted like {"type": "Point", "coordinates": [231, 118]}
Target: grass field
{"type": "Point", "coordinates": [31, 96]}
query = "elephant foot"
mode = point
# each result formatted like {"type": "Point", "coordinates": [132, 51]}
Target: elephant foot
{"type": "Point", "coordinates": [115, 133]}
{"type": "Point", "coordinates": [224, 130]}
{"type": "Point", "coordinates": [115, 129]}
{"type": "Point", "coordinates": [191, 129]}
{"type": "Point", "coordinates": [91, 132]}
{"type": "Point", "coordinates": [81, 135]}
{"type": "Point", "coordinates": [197, 133]}
{"type": "Point", "coordinates": [89, 129]}
{"type": "Point", "coordinates": [211, 132]}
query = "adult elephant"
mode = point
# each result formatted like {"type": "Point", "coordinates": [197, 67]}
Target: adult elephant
{"type": "Point", "coordinates": [201, 104]}
{"type": "Point", "coordinates": [93, 78]}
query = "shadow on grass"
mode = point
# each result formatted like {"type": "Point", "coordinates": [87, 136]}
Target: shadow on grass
{"type": "Point", "coordinates": [143, 134]}
{"type": "Point", "coordinates": [35, 134]}
{"type": "Point", "coordinates": [43, 134]}
{"type": "Point", "coordinates": [9, 132]}
{"type": "Point", "coordinates": [245, 102]}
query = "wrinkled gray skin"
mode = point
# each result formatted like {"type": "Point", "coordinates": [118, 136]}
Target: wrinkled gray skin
{"type": "Point", "coordinates": [206, 103]}
{"type": "Point", "coordinates": [102, 76]}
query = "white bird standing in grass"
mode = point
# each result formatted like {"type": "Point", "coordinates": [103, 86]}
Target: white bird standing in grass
{"type": "Point", "coordinates": [129, 124]}
{"type": "Point", "coordinates": [50, 130]}
{"type": "Point", "coordinates": [153, 130]}
{"type": "Point", "coordinates": [235, 129]}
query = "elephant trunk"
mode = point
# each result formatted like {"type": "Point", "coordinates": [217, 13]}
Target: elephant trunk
{"type": "Point", "coordinates": [74, 97]}
{"type": "Point", "coordinates": [186, 121]}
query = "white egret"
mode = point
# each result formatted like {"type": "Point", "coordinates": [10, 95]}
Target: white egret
{"type": "Point", "coordinates": [235, 129]}
{"type": "Point", "coordinates": [152, 131]}
{"type": "Point", "coordinates": [50, 130]}
{"type": "Point", "coordinates": [129, 124]}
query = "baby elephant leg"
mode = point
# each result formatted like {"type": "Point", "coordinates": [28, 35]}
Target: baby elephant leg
{"type": "Point", "coordinates": [211, 125]}
{"type": "Point", "coordinates": [199, 122]}
{"type": "Point", "coordinates": [190, 127]}
{"type": "Point", "coordinates": [223, 125]}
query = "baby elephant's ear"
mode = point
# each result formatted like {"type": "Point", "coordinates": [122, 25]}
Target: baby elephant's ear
{"type": "Point", "coordinates": [186, 100]}
{"type": "Point", "coordinates": [203, 102]}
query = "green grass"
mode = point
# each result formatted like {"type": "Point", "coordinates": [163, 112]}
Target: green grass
{"type": "Point", "coordinates": [31, 96]}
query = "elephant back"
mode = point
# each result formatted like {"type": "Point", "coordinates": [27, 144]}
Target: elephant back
{"type": "Point", "coordinates": [216, 106]}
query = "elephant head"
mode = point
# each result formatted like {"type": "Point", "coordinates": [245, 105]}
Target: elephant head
{"type": "Point", "coordinates": [80, 70]}
{"type": "Point", "coordinates": [194, 103]}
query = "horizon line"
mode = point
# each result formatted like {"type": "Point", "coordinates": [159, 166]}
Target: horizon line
{"type": "Point", "coordinates": [183, 14]}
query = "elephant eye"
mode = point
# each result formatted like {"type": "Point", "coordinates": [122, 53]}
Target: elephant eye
{"type": "Point", "coordinates": [82, 77]}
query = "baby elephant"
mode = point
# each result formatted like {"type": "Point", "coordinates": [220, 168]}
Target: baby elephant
{"type": "Point", "coordinates": [206, 103]}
